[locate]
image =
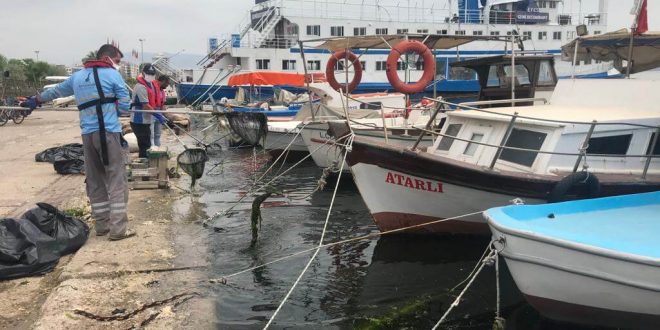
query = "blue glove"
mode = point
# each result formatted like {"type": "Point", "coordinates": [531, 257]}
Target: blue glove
{"type": "Point", "coordinates": [31, 103]}
{"type": "Point", "coordinates": [161, 119]}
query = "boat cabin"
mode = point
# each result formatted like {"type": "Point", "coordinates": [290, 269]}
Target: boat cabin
{"type": "Point", "coordinates": [535, 77]}
{"type": "Point", "coordinates": [614, 121]}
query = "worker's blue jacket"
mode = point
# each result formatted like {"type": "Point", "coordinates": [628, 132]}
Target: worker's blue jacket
{"type": "Point", "coordinates": [81, 85]}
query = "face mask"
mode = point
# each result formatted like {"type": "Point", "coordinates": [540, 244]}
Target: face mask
{"type": "Point", "coordinates": [114, 65]}
{"type": "Point", "coordinates": [149, 77]}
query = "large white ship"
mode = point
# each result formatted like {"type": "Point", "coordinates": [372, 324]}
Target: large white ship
{"type": "Point", "coordinates": [268, 38]}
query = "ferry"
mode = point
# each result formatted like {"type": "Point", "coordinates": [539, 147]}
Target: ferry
{"type": "Point", "coordinates": [268, 39]}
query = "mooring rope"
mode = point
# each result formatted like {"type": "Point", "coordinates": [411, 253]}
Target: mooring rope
{"type": "Point", "coordinates": [325, 227]}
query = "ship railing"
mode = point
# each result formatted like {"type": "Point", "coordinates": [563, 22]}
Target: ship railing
{"type": "Point", "coordinates": [445, 106]}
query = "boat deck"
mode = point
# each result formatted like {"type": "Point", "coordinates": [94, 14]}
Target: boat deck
{"type": "Point", "coordinates": [628, 224]}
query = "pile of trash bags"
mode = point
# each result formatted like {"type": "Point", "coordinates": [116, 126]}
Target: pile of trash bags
{"type": "Point", "coordinates": [34, 244]}
{"type": "Point", "coordinates": [66, 159]}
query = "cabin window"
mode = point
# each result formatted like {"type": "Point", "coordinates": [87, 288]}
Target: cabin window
{"type": "Point", "coordinates": [263, 64]}
{"type": "Point", "coordinates": [543, 35]}
{"type": "Point", "coordinates": [493, 78]}
{"type": "Point", "coordinates": [288, 64]}
{"type": "Point", "coordinates": [477, 33]}
{"type": "Point", "coordinates": [460, 73]}
{"type": "Point", "coordinates": [460, 32]}
{"type": "Point", "coordinates": [337, 31]}
{"type": "Point", "coordinates": [400, 66]}
{"type": "Point", "coordinates": [656, 150]}
{"type": "Point", "coordinates": [556, 35]}
{"type": "Point", "coordinates": [472, 147]}
{"type": "Point", "coordinates": [339, 66]}
{"type": "Point", "coordinates": [596, 32]}
{"type": "Point", "coordinates": [441, 67]}
{"type": "Point", "coordinates": [527, 35]}
{"type": "Point", "coordinates": [552, 4]}
{"type": "Point", "coordinates": [381, 65]}
{"type": "Point", "coordinates": [359, 31]}
{"type": "Point", "coordinates": [382, 31]}
{"type": "Point", "coordinates": [522, 75]}
{"type": "Point", "coordinates": [313, 30]}
{"type": "Point", "coordinates": [494, 33]}
{"type": "Point", "coordinates": [401, 31]}
{"type": "Point", "coordinates": [443, 32]}
{"type": "Point", "coordinates": [446, 141]}
{"type": "Point", "coordinates": [609, 145]}
{"type": "Point", "coordinates": [371, 106]}
{"type": "Point", "coordinates": [525, 139]}
{"type": "Point", "coordinates": [314, 65]}
{"type": "Point", "coordinates": [546, 78]}
{"type": "Point", "coordinates": [364, 65]}
{"type": "Point", "coordinates": [423, 31]}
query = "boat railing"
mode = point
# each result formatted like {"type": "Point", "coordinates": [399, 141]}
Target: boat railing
{"type": "Point", "coordinates": [510, 101]}
{"type": "Point", "coordinates": [444, 106]}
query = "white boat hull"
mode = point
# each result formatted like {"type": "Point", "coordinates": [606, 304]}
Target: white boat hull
{"type": "Point", "coordinates": [582, 285]}
{"type": "Point", "coordinates": [398, 200]}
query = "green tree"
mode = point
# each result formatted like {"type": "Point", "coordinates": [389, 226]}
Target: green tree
{"type": "Point", "coordinates": [3, 62]}
{"type": "Point", "coordinates": [36, 71]}
{"type": "Point", "coordinates": [17, 69]}
{"type": "Point", "coordinates": [90, 56]}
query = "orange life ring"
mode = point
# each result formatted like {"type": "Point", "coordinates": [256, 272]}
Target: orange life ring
{"type": "Point", "coordinates": [330, 71]}
{"type": "Point", "coordinates": [429, 66]}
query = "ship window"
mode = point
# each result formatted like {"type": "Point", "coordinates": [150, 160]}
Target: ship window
{"type": "Point", "coordinates": [442, 32]}
{"type": "Point", "coordinates": [337, 31]}
{"type": "Point", "coordinates": [460, 73]}
{"type": "Point", "coordinates": [314, 65]}
{"type": "Point", "coordinates": [556, 35]}
{"type": "Point", "coordinates": [609, 145]}
{"type": "Point", "coordinates": [263, 64]}
{"type": "Point", "coordinates": [472, 147]}
{"type": "Point", "coordinates": [382, 31]}
{"type": "Point", "coordinates": [522, 75]}
{"type": "Point", "coordinates": [543, 35]}
{"type": "Point", "coordinates": [596, 32]}
{"type": "Point", "coordinates": [494, 33]}
{"type": "Point", "coordinates": [339, 66]}
{"type": "Point", "coordinates": [656, 150]}
{"type": "Point", "coordinates": [364, 65]}
{"type": "Point", "coordinates": [552, 4]}
{"type": "Point", "coordinates": [527, 35]}
{"type": "Point", "coordinates": [525, 139]}
{"type": "Point", "coordinates": [381, 65]}
{"type": "Point", "coordinates": [371, 106]}
{"type": "Point", "coordinates": [441, 68]}
{"type": "Point", "coordinates": [288, 64]}
{"type": "Point", "coordinates": [460, 32]}
{"type": "Point", "coordinates": [313, 30]}
{"type": "Point", "coordinates": [546, 78]}
{"type": "Point", "coordinates": [401, 31]}
{"type": "Point", "coordinates": [478, 33]}
{"type": "Point", "coordinates": [446, 142]}
{"type": "Point", "coordinates": [359, 31]}
{"type": "Point", "coordinates": [423, 31]}
{"type": "Point", "coordinates": [400, 66]}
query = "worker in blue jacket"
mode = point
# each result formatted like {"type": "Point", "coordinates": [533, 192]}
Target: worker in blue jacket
{"type": "Point", "coordinates": [100, 94]}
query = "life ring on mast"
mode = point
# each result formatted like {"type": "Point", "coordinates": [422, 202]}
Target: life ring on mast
{"type": "Point", "coordinates": [429, 66]}
{"type": "Point", "coordinates": [330, 70]}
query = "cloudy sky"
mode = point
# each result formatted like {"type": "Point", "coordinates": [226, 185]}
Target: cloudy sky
{"type": "Point", "coordinates": [65, 30]}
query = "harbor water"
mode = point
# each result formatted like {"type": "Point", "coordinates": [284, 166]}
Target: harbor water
{"type": "Point", "coordinates": [387, 282]}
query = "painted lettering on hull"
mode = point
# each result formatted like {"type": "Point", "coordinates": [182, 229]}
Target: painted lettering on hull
{"type": "Point", "coordinates": [413, 183]}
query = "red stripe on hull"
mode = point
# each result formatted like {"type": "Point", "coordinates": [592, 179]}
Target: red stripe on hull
{"type": "Point", "coordinates": [568, 312]}
{"type": "Point", "coordinates": [387, 221]}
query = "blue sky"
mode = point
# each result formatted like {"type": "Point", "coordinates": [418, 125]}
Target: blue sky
{"type": "Point", "coordinates": [65, 30]}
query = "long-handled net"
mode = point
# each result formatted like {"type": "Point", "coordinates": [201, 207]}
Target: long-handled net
{"type": "Point", "coordinates": [250, 126]}
{"type": "Point", "coordinates": [192, 161]}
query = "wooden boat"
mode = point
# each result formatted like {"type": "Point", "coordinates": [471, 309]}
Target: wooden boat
{"type": "Point", "coordinates": [593, 261]}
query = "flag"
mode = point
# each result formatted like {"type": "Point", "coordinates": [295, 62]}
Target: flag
{"type": "Point", "coordinates": [641, 23]}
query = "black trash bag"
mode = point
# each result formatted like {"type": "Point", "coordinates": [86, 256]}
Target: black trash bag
{"type": "Point", "coordinates": [64, 152]}
{"type": "Point", "coordinates": [69, 166]}
{"type": "Point", "coordinates": [69, 233]}
{"type": "Point", "coordinates": [25, 250]}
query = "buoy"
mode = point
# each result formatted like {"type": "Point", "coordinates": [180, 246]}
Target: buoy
{"type": "Point", "coordinates": [330, 70]}
{"type": "Point", "coordinates": [429, 66]}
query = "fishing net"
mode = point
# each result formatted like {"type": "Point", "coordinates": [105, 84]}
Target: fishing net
{"type": "Point", "coordinates": [192, 161]}
{"type": "Point", "coordinates": [250, 126]}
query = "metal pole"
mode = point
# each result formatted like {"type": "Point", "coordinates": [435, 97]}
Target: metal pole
{"type": "Point", "coordinates": [309, 92]}
{"type": "Point", "coordinates": [650, 153]}
{"type": "Point", "coordinates": [428, 125]}
{"type": "Point", "coordinates": [575, 52]}
{"type": "Point", "coordinates": [505, 138]}
{"type": "Point", "coordinates": [142, 50]}
{"type": "Point", "coordinates": [585, 145]}
{"type": "Point", "coordinates": [630, 52]}
{"type": "Point", "coordinates": [513, 73]}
